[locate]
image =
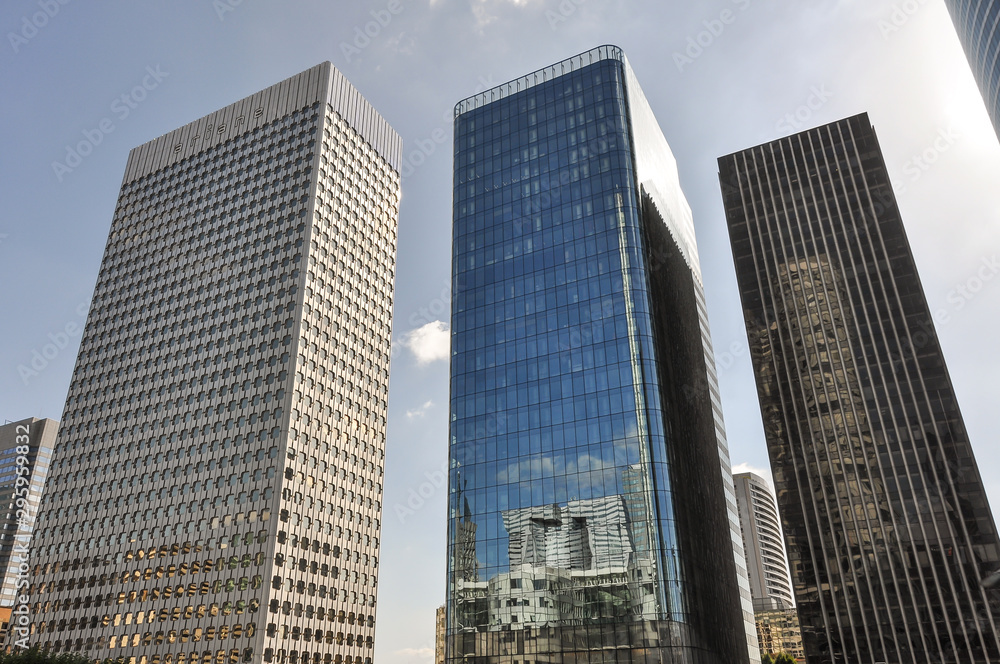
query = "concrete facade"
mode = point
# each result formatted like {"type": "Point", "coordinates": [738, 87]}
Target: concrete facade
{"type": "Point", "coordinates": [216, 488]}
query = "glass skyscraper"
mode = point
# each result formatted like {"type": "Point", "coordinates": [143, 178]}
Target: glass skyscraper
{"type": "Point", "coordinates": [215, 490]}
{"type": "Point", "coordinates": [978, 25]}
{"type": "Point", "coordinates": [886, 520]}
{"type": "Point", "coordinates": [591, 512]}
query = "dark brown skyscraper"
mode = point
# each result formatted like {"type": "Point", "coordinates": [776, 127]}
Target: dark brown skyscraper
{"type": "Point", "coordinates": [888, 527]}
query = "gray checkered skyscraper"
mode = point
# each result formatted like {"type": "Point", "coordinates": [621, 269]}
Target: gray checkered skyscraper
{"type": "Point", "coordinates": [216, 485]}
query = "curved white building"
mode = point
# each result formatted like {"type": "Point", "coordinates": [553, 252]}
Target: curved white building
{"type": "Point", "coordinates": [762, 542]}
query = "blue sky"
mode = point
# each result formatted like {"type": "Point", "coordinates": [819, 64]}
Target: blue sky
{"type": "Point", "coordinates": [721, 75]}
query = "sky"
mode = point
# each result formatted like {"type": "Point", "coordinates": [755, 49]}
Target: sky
{"type": "Point", "coordinates": [720, 75]}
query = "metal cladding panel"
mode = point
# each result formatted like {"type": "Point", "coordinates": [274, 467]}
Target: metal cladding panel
{"type": "Point", "coordinates": [224, 124]}
{"type": "Point", "coordinates": [657, 172]}
{"type": "Point", "coordinates": [605, 52]}
{"type": "Point", "coordinates": [311, 86]}
{"type": "Point", "coordinates": [348, 102]}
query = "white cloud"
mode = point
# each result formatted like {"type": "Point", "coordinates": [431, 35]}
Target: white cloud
{"type": "Point", "coordinates": [401, 44]}
{"type": "Point", "coordinates": [420, 411]}
{"type": "Point", "coordinates": [422, 653]}
{"type": "Point", "coordinates": [483, 10]}
{"type": "Point", "coordinates": [429, 343]}
{"type": "Point", "coordinates": [484, 16]}
{"type": "Point", "coordinates": [437, 3]}
{"type": "Point", "coordinates": [763, 472]}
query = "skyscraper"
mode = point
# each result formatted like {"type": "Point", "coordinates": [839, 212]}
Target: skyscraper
{"type": "Point", "coordinates": [778, 632]}
{"type": "Point", "coordinates": [762, 543]}
{"type": "Point", "coordinates": [440, 633]}
{"type": "Point", "coordinates": [215, 492]}
{"type": "Point", "coordinates": [978, 25]}
{"type": "Point", "coordinates": [25, 455]}
{"type": "Point", "coordinates": [591, 505]}
{"type": "Point", "coordinates": [886, 520]}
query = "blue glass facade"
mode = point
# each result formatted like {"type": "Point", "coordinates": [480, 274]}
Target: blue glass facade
{"type": "Point", "coordinates": [589, 474]}
{"type": "Point", "coordinates": [978, 26]}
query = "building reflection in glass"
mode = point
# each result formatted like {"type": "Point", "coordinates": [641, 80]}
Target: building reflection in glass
{"type": "Point", "coordinates": [886, 521]}
{"type": "Point", "coordinates": [590, 482]}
